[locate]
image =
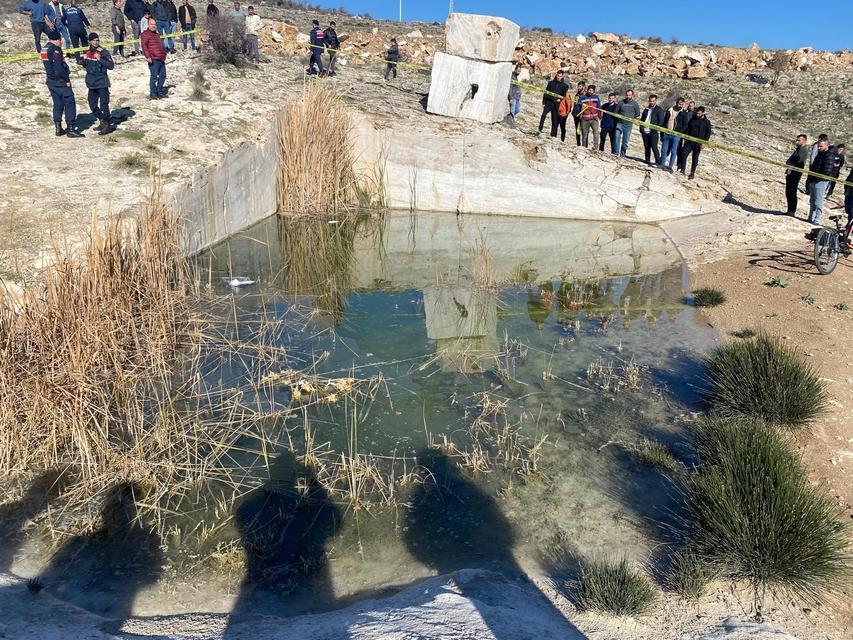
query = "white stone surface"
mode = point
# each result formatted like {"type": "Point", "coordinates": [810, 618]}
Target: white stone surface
{"type": "Point", "coordinates": [452, 88]}
{"type": "Point", "coordinates": [481, 37]}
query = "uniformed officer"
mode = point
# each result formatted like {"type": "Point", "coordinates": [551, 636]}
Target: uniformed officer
{"type": "Point", "coordinates": [98, 61]}
{"type": "Point", "coordinates": [59, 85]}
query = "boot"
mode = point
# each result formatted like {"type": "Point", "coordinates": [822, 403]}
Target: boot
{"type": "Point", "coordinates": [105, 128]}
{"type": "Point", "coordinates": [73, 132]}
{"type": "Point", "coordinates": [59, 130]}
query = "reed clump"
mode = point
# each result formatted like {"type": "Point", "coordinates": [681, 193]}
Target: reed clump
{"type": "Point", "coordinates": [614, 587]}
{"type": "Point", "coordinates": [318, 172]}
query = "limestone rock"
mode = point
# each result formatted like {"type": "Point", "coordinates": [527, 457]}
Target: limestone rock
{"type": "Point", "coordinates": [7, 24]}
{"type": "Point", "coordinates": [696, 72]}
{"type": "Point", "coordinates": [695, 56]}
{"type": "Point", "coordinates": [464, 88]}
{"type": "Point", "coordinates": [481, 37]}
{"type": "Point", "coordinates": [276, 36]}
{"type": "Point", "coordinates": [581, 39]}
{"type": "Point", "coordinates": [606, 37]}
{"type": "Point", "coordinates": [524, 75]}
{"type": "Point", "coordinates": [415, 34]}
{"type": "Point", "coordinates": [599, 48]}
{"type": "Point", "coordinates": [533, 58]}
{"type": "Point", "coordinates": [303, 38]}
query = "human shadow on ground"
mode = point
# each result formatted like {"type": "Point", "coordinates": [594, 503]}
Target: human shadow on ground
{"type": "Point", "coordinates": [787, 261]}
{"type": "Point", "coordinates": [103, 572]}
{"type": "Point", "coordinates": [14, 516]}
{"type": "Point", "coordinates": [730, 199]}
{"type": "Point", "coordinates": [284, 528]}
{"type": "Point", "coordinates": [452, 524]}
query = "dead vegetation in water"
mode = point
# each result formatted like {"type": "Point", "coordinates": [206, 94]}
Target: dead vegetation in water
{"type": "Point", "coordinates": [614, 378]}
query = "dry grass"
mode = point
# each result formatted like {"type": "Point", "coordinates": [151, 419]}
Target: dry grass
{"type": "Point", "coordinates": [317, 165]}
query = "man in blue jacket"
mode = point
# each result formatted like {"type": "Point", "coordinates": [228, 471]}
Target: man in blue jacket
{"type": "Point", "coordinates": [318, 45]}
{"type": "Point", "coordinates": [59, 84]}
{"type": "Point", "coordinates": [98, 61]}
{"type": "Point", "coordinates": [77, 24]}
{"type": "Point", "coordinates": [608, 124]}
{"type": "Point", "coordinates": [39, 16]}
{"type": "Point", "coordinates": [133, 11]}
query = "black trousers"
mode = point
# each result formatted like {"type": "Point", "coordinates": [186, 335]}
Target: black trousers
{"type": "Point", "coordinates": [831, 188]}
{"type": "Point", "coordinates": [119, 35]}
{"type": "Point", "coordinates": [38, 29]}
{"type": "Point", "coordinates": [551, 107]}
{"type": "Point", "coordinates": [316, 59]}
{"type": "Point", "coordinates": [99, 103]}
{"type": "Point", "coordinates": [577, 120]}
{"type": "Point", "coordinates": [650, 145]}
{"type": "Point", "coordinates": [63, 101]}
{"type": "Point", "coordinates": [390, 70]}
{"type": "Point", "coordinates": [78, 38]}
{"type": "Point", "coordinates": [792, 185]}
{"type": "Point", "coordinates": [691, 150]}
{"type": "Point", "coordinates": [604, 134]}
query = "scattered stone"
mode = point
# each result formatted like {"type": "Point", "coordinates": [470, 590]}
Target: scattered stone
{"type": "Point", "coordinates": [276, 36]}
{"type": "Point", "coordinates": [599, 48]}
{"type": "Point", "coordinates": [417, 32]}
{"type": "Point", "coordinates": [581, 39]}
{"type": "Point", "coordinates": [606, 37]}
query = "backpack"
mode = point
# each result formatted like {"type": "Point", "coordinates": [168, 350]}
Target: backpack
{"type": "Point", "coordinates": [565, 106]}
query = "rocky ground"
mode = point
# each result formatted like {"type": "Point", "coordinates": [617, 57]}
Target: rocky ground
{"type": "Point", "coordinates": [53, 187]}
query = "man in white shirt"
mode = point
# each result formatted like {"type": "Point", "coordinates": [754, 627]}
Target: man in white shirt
{"type": "Point", "coordinates": [253, 28]}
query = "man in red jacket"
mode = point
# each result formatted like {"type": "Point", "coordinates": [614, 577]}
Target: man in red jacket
{"type": "Point", "coordinates": [155, 55]}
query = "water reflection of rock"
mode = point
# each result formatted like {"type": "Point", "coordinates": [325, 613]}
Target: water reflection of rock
{"type": "Point", "coordinates": [463, 322]}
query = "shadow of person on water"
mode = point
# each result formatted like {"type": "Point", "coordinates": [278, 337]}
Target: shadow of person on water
{"type": "Point", "coordinates": [284, 527]}
{"type": "Point", "coordinates": [15, 515]}
{"type": "Point", "coordinates": [452, 524]}
{"type": "Point", "coordinates": [104, 571]}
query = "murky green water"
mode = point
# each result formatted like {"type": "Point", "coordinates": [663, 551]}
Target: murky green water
{"type": "Point", "coordinates": [491, 373]}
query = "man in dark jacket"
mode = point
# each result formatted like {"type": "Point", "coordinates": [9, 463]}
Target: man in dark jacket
{"type": "Point", "coordinates": [392, 57]}
{"type": "Point", "coordinates": [161, 13]}
{"type": "Point", "coordinates": [98, 61]}
{"type": "Point", "coordinates": [133, 11]}
{"type": "Point", "coordinates": [798, 159]}
{"type": "Point", "coordinates": [576, 111]}
{"type": "Point", "coordinates": [38, 13]}
{"type": "Point", "coordinates": [318, 45]}
{"type": "Point", "coordinates": [78, 26]}
{"type": "Point", "coordinates": [554, 94]}
{"type": "Point", "coordinates": [836, 167]}
{"type": "Point", "coordinates": [187, 19]}
{"type": "Point", "coordinates": [816, 185]}
{"type": "Point", "coordinates": [629, 108]}
{"type": "Point", "coordinates": [59, 84]}
{"type": "Point", "coordinates": [698, 127]}
{"type": "Point", "coordinates": [212, 10]}
{"type": "Point", "coordinates": [333, 44]}
{"type": "Point", "coordinates": [654, 115]}
{"type": "Point", "coordinates": [608, 124]}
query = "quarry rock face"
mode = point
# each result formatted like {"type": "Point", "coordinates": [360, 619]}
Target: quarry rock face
{"type": "Point", "coordinates": [481, 37]}
{"type": "Point", "coordinates": [464, 88]}
{"type": "Point", "coordinates": [472, 78]}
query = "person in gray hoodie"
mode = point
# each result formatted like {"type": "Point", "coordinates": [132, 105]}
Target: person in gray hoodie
{"type": "Point", "coordinates": [629, 108]}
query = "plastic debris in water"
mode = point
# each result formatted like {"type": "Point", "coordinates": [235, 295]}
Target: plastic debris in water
{"type": "Point", "coordinates": [238, 281]}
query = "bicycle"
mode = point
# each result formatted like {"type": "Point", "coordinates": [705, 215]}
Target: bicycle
{"type": "Point", "coordinates": [829, 244]}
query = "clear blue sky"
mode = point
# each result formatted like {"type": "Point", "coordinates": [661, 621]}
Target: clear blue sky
{"type": "Point", "coordinates": [780, 24]}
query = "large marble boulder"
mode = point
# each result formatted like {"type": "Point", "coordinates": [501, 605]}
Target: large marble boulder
{"type": "Point", "coordinates": [463, 88]}
{"type": "Point", "coordinates": [481, 37]}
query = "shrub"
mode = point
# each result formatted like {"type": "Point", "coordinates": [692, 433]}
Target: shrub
{"type": "Point", "coordinates": [614, 588]}
{"type": "Point", "coordinates": [745, 334]}
{"type": "Point", "coordinates": [708, 297]}
{"type": "Point", "coordinates": [754, 516]}
{"type": "Point", "coordinates": [689, 574]}
{"type": "Point", "coordinates": [778, 282]}
{"type": "Point", "coordinates": [655, 454]}
{"type": "Point", "coordinates": [765, 379]}
{"type": "Point", "coordinates": [227, 41]}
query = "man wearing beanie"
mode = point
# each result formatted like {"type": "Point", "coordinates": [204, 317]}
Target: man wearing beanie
{"type": "Point", "coordinates": [59, 84]}
{"type": "Point", "coordinates": [98, 61]}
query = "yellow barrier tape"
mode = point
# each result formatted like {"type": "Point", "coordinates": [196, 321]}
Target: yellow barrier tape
{"type": "Point", "coordinates": [35, 55]}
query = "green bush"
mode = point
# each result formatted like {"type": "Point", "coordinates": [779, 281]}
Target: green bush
{"type": "Point", "coordinates": [708, 297]}
{"type": "Point", "coordinates": [766, 379]}
{"type": "Point", "coordinates": [655, 454]}
{"type": "Point", "coordinates": [753, 515]}
{"type": "Point", "coordinates": [614, 587]}
{"type": "Point", "coordinates": [689, 574]}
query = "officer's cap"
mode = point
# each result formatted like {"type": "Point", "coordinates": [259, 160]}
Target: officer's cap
{"type": "Point", "coordinates": [93, 36]}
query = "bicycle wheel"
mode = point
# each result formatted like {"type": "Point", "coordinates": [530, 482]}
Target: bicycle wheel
{"type": "Point", "coordinates": [826, 251]}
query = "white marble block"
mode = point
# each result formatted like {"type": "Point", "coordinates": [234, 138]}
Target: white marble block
{"type": "Point", "coordinates": [463, 88]}
{"type": "Point", "coordinates": [481, 37]}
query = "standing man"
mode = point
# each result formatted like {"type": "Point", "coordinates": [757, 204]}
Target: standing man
{"type": "Point", "coordinates": [173, 24]}
{"type": "Point", "coordinates": [59, 84]}
{"type": "Point", "coordinates": [392, 57]}
{"type": "Point", "coordinates": [576, 112]}
{"type": "Point", "coordinates": [815, 146]}
{"type": "Point", "coordinates": [608, 124]}
{"type": "Point", "coordinates": [836, 167]}
{"type": "Point", "coordinates": [118, 28]}
{"type": "Point", "coordinates": [698, 127]}
{"type": "Point", "coordinates": [629, 108]}
{"type": "Point", "coordinates": [237, 13]}
{"type": "Point", "coordinates": [798, 159]}
{"type": "Point", "coordinates": [98, 61]}
{"type": "Point", "coordinates": [590, 116]}
{"type": "Point", "coordinates": [823, 162]}
{"type": "Point", "coordinates": [654, 115]}
{"type": "Point", "coordinates": [39, 16]}
{"type": "Point", "coordinates": [187, 18]}
{"type": "Point", "coordinates": [555, 92]}
{"type": "Point", "coordinates": [318, 45]}
{"type": "Point", "coordinates": [155, 55]}
{"type": "Point", "coordinates": [253, 28]}
{"type": "Point", "coordinates": [669, 145]}
{"type": "Point", "coordinates": [57, 15]}
{"type": "Point", "coordinates": [134, 10]}
{"type": "Point", "coordinates": [212, 10]}
{"type": "Point", "coordinates": [78, 26]}
{"type": "Point", "coordinates": [514, 95]}
{"type": "Point", "coordinates": [160, 13]}
{"type": "Point", "coordinates": [333, 44]}
{"type": "Point", "coordinates": [688, 116]}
